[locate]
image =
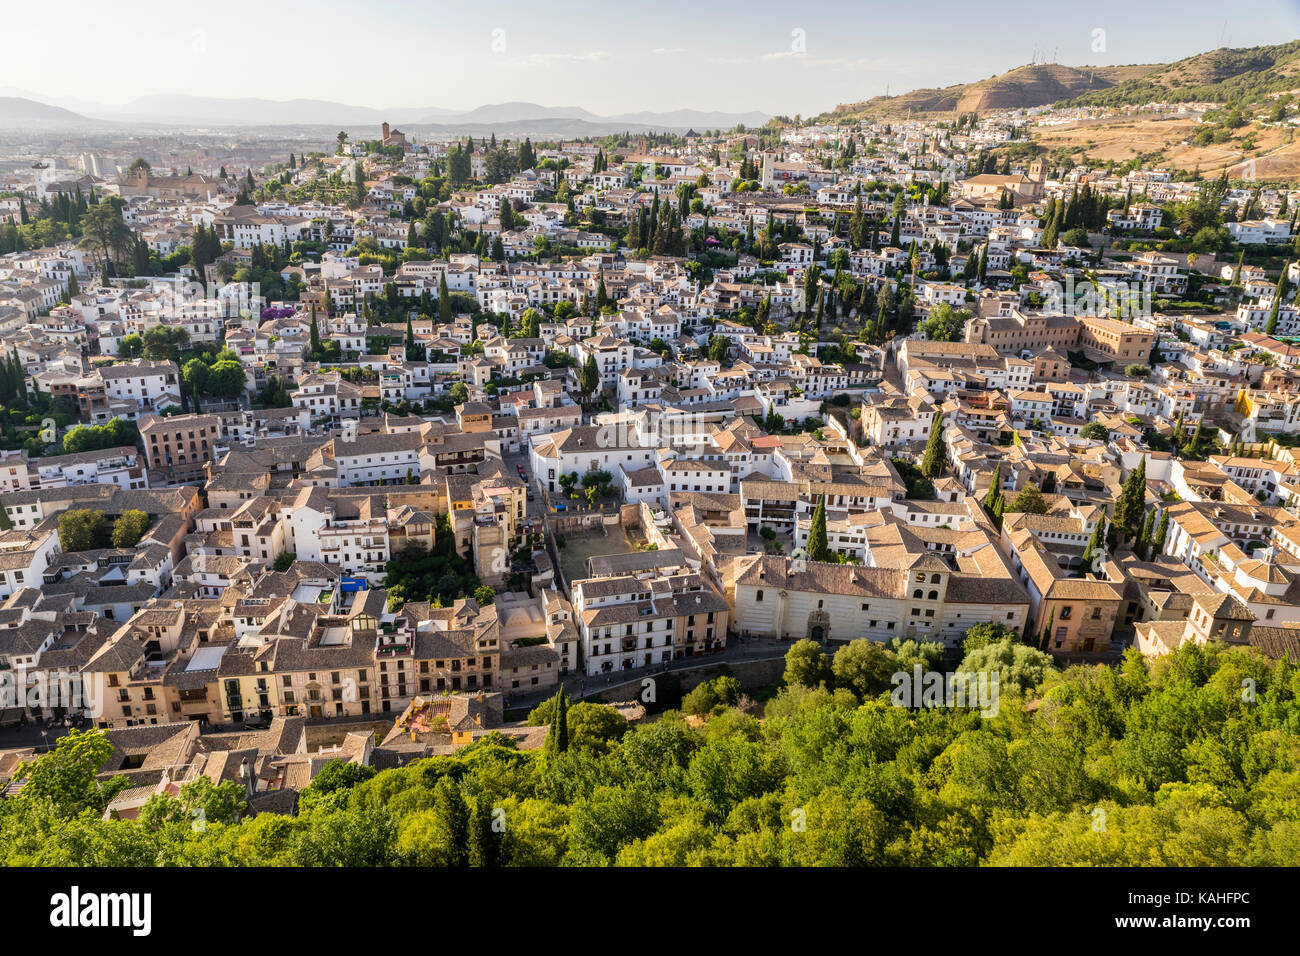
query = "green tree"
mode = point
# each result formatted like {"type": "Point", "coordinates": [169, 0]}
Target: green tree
{"type": "Point", "coordinates": [67, 776]}
{"type": "Point", "coordinates": [590, 727]}
{"type": "Point", "coordinates": [817, 546]}
{"type": "Point", "coordinates": [980, 635]}
{"type": "Point", "coordinates": [1279, 294]}
{"type": "Point", "coordinates": [1020, 667]}
{"type": "Point", "coordinates": [864, 667]}
{"type": "Point", "coordinates": [129, 528]}
{"type": "Point", "coordinates": [995, 487]}
{"type": "Point", "coordinates": [589, 377]}
{"type": "Point", "coordinates": [80, 529]}
{"type": "Point", "coordinates": [103, 229]}
{"type": "Point", "coordinates": [1095, 541]}
{"type": "Point", "coordinates": [227, 379]}
{"type": "Point", "coordinates": [1162, 531]}
{"type": "Point", "coordinates": [945, 324]}
{"type": "Point", "coordinates": [935, 460]}
{"type": "Point", "coordinates": [806, 665]}
{"type": "Point", "coordinates": [1030, 501]}
{"type": "Point", "coordinates": [718, 345]}
{"type": "Point", "coordinates": [1143, 544]}
{"type": "Point", "coordinates": [1132, 500]}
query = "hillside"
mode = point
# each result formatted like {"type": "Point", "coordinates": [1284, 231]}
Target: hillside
{"type": "Point", "coordinates": [1037, 84]}
{"type": "Point", "coordinates": [18, 111]}
{"type": "Point", "coordinates": [1224, 75]}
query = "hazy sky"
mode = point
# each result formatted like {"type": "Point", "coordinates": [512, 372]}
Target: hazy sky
{"type": "Point", "coordinates": [791, 57]}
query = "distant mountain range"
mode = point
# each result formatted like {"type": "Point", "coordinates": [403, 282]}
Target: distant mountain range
{"type": "Point", "coordinates": [18, 111]}
{"type": "Point", "coordinates": [1219, 75]}
{"type": "Point", "coordinates": [506, 119]}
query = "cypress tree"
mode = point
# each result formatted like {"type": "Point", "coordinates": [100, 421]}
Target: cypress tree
{"type": "Point", "coordinates": [1143, 546]}
{"type": "Point", "coordinates": [1132, 499]}
{"type": "Point", "coordinates": [1162, 530]}
{"type": "Point", "coordinates": [936, 452]}
{"type": "Point", "coordinates": [552, 735]}
{"type": "Point", "coordinates": [818, 549]}
{"type": "Point", "coordinates": [444, 299]}
{"type": "Point", "coordinates": [452, 815]}
{"type": "Point", "coordinates": [485, 842]}
{"type": "Point", "coordinates": [562, 723]}
{"type": "Point", "coordinates": [1094, 542]}
{"type": "Point", "coordinates": [589, 377]}
{"type": "Point", "coordinates": [1279, 292]}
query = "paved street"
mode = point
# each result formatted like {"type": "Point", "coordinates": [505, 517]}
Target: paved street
{"type": "Point", "coordinates": [38, 735]}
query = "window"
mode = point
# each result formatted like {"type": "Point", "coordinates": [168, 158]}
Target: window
{"type": "Point", "coordinates": [758, 596]}
{"type": "Point", "coordinates": [1067, 612]}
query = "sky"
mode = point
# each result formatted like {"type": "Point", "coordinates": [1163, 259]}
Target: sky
{"type": "Point", "coordinates": [609, 57]}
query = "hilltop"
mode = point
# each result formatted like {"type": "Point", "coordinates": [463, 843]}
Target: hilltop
{"type": "Point", "coordinates": [1036, 84]}
{"type": "Point", "coordinates": [1226, 75]}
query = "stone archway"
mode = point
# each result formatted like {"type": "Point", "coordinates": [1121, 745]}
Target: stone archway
{"type": "Point", "coordinates": [819, 626]}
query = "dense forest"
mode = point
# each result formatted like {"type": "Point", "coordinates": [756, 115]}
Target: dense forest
{"type": "Point", "coordinates": [1186, 760]}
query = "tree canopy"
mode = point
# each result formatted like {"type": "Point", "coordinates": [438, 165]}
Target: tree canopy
{"type": "Point", "coordinates": [1186, 769]}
